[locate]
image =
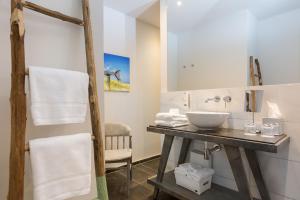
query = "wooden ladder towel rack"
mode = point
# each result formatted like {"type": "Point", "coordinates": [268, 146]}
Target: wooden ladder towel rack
{"type": "Point", "coordinates": [18, 96]}
{"type": "Point", "coordinates": [253, 77]}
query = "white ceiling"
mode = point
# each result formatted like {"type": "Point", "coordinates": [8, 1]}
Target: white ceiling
{"type": "Point", "coordinates": [193, 12]}
{"type": "Point", "coordinates": [130, 7]}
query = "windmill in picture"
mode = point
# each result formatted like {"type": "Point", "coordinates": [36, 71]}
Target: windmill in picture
{"type": "Point", "coordinates": [108, 73]}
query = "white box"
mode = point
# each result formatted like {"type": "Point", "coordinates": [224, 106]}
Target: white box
{"type": "Point", "coordinates": [196, 185]}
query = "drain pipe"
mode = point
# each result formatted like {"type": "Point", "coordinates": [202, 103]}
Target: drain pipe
{"type": "Point", "coordinates": [208, 152]}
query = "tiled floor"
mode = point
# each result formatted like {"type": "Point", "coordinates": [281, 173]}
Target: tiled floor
{"type": "Point", "coordinates": [139, 189]}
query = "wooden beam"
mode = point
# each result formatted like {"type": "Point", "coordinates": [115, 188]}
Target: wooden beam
{"type": "Point", "coordinates": [52, 13]}
{"type": "Point", "coordinates": [260, 82]}
{"type": "Point", "coordinates": [252, 73]}
{"type": "Point", "coordinates": [94, 104]}
{"type": "Point", "coordinates": [17, 104]}
{"type": "Point", "coordinates": [252, 77]}
{"type": "Point", "coordinates": [93, 94]}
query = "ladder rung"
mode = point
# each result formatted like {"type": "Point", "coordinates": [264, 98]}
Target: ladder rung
{"type": "Point", "coordinates": [52, 13]}
{"type": "Point", "coordinates": [28, 149]}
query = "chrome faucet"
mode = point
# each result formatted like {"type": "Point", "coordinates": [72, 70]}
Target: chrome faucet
{"type": "Point", "coordinates": [215, 99]}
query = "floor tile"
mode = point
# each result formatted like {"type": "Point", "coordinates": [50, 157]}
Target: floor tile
{"type": "Point", "coordinates": [150, 171]}
{"type": "Point", "coordinates": [153, 164]}
{"type": "Point", "coordinates": [139, 174]}
{"type": "Point", "coordinates": [139, 188]}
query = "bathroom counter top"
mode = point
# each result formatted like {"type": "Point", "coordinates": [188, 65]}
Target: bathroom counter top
{"type": "Point", "coordinates": [225, 136]}
{"type": "Point", "coordinates": [232, 140]}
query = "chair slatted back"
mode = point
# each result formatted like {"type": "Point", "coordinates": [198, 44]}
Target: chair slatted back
{"type": "Point", "coordinates": [117, 136]}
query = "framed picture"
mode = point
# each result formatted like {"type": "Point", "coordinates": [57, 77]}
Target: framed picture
{"type": "Point", "coordinates": [116, 73]}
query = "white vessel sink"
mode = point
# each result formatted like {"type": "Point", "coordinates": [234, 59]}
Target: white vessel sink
{"type": "Point", "coordinates": [207, 119]}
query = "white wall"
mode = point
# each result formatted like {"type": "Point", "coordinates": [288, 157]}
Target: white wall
{"type": "Point", "coordinates": [137, 108]}
{"type": "Point", "coordinates": [219, 52]}
{"type": "Point", "coordinates": [251, 42]}
{"type": "Point", "coordinates": [164, 45]}
{"type": "Point", "coordinates": [52, 43]}
{"type": "Point", "coordinates": [280, 170]}
{"type": "Point", "coordinates": [172, 62]}
{"type": "Point", "coordinates": [279, 48]}
{"type": "Point", "coordinates": [148, 62]}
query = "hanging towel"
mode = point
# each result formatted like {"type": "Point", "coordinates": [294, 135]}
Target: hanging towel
{"type": "Point", "coordinates": [61, 166]}
{"type": "Point", "coordinates": [58, 96]}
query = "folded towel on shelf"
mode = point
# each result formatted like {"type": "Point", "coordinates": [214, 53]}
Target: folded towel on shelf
{"type": "Point", "coordinates": [169, 123]}
{"type": "Point", "coordinates": [58, 96]}
{"type": "Point", "coordinates": [61, 166]}
{"type": "Point", "coordinates": [171, 117]}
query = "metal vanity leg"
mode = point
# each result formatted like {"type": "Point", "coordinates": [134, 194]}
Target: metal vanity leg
{"type": "Point", "coordinates": [163, 161]}
{"type": "Point", "coordinates": [184, 150]}
{"type": "Point", "coordinates": [238, 170]}
{"type": "Point", "coordinates": [255, 168]}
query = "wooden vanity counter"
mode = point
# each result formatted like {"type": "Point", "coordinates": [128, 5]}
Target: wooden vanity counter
{"type": "Point", "coordinates": [232, 140]}
{"type": "Point", "coordinates": [224, 136]}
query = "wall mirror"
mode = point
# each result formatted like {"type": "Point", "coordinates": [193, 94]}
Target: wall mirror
{"type": "Point", "coordinates": [232, 43]}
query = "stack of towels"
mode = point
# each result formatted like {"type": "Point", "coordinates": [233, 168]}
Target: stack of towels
{"type": "Point", "coordinates": [62, 165]}
{"type": "Point", "coordinates": [171, 119]}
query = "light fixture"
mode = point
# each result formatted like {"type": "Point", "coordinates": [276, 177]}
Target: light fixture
{"type": "Point", "coordinates": [179, 3]}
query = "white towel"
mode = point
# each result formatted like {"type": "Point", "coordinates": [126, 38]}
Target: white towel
{"type": "Point", "coordinates": [58, 96]}
{"type": "Point", "coordinates": [188, 168]}
{"type": "Point", "coordinates": [171, 117]}
{"type": "Point", "coordinates": [201, 173]}
{"type": "Point", "coordinates": [169, 123]}
{"type": "Point", "coordinates": [194, 171]}
{"type": "Point", "coordinates": [61, 166]}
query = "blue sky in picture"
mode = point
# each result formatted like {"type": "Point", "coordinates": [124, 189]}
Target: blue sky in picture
{"type": "Point", "coordinates": [114, 63]}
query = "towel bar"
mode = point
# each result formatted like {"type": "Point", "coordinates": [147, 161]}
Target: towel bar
{"type": "Point", "coordinates": [28, 149]}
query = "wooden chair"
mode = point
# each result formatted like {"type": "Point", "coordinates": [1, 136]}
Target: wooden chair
{"type": "Point", "coordinates": [118, 147]}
